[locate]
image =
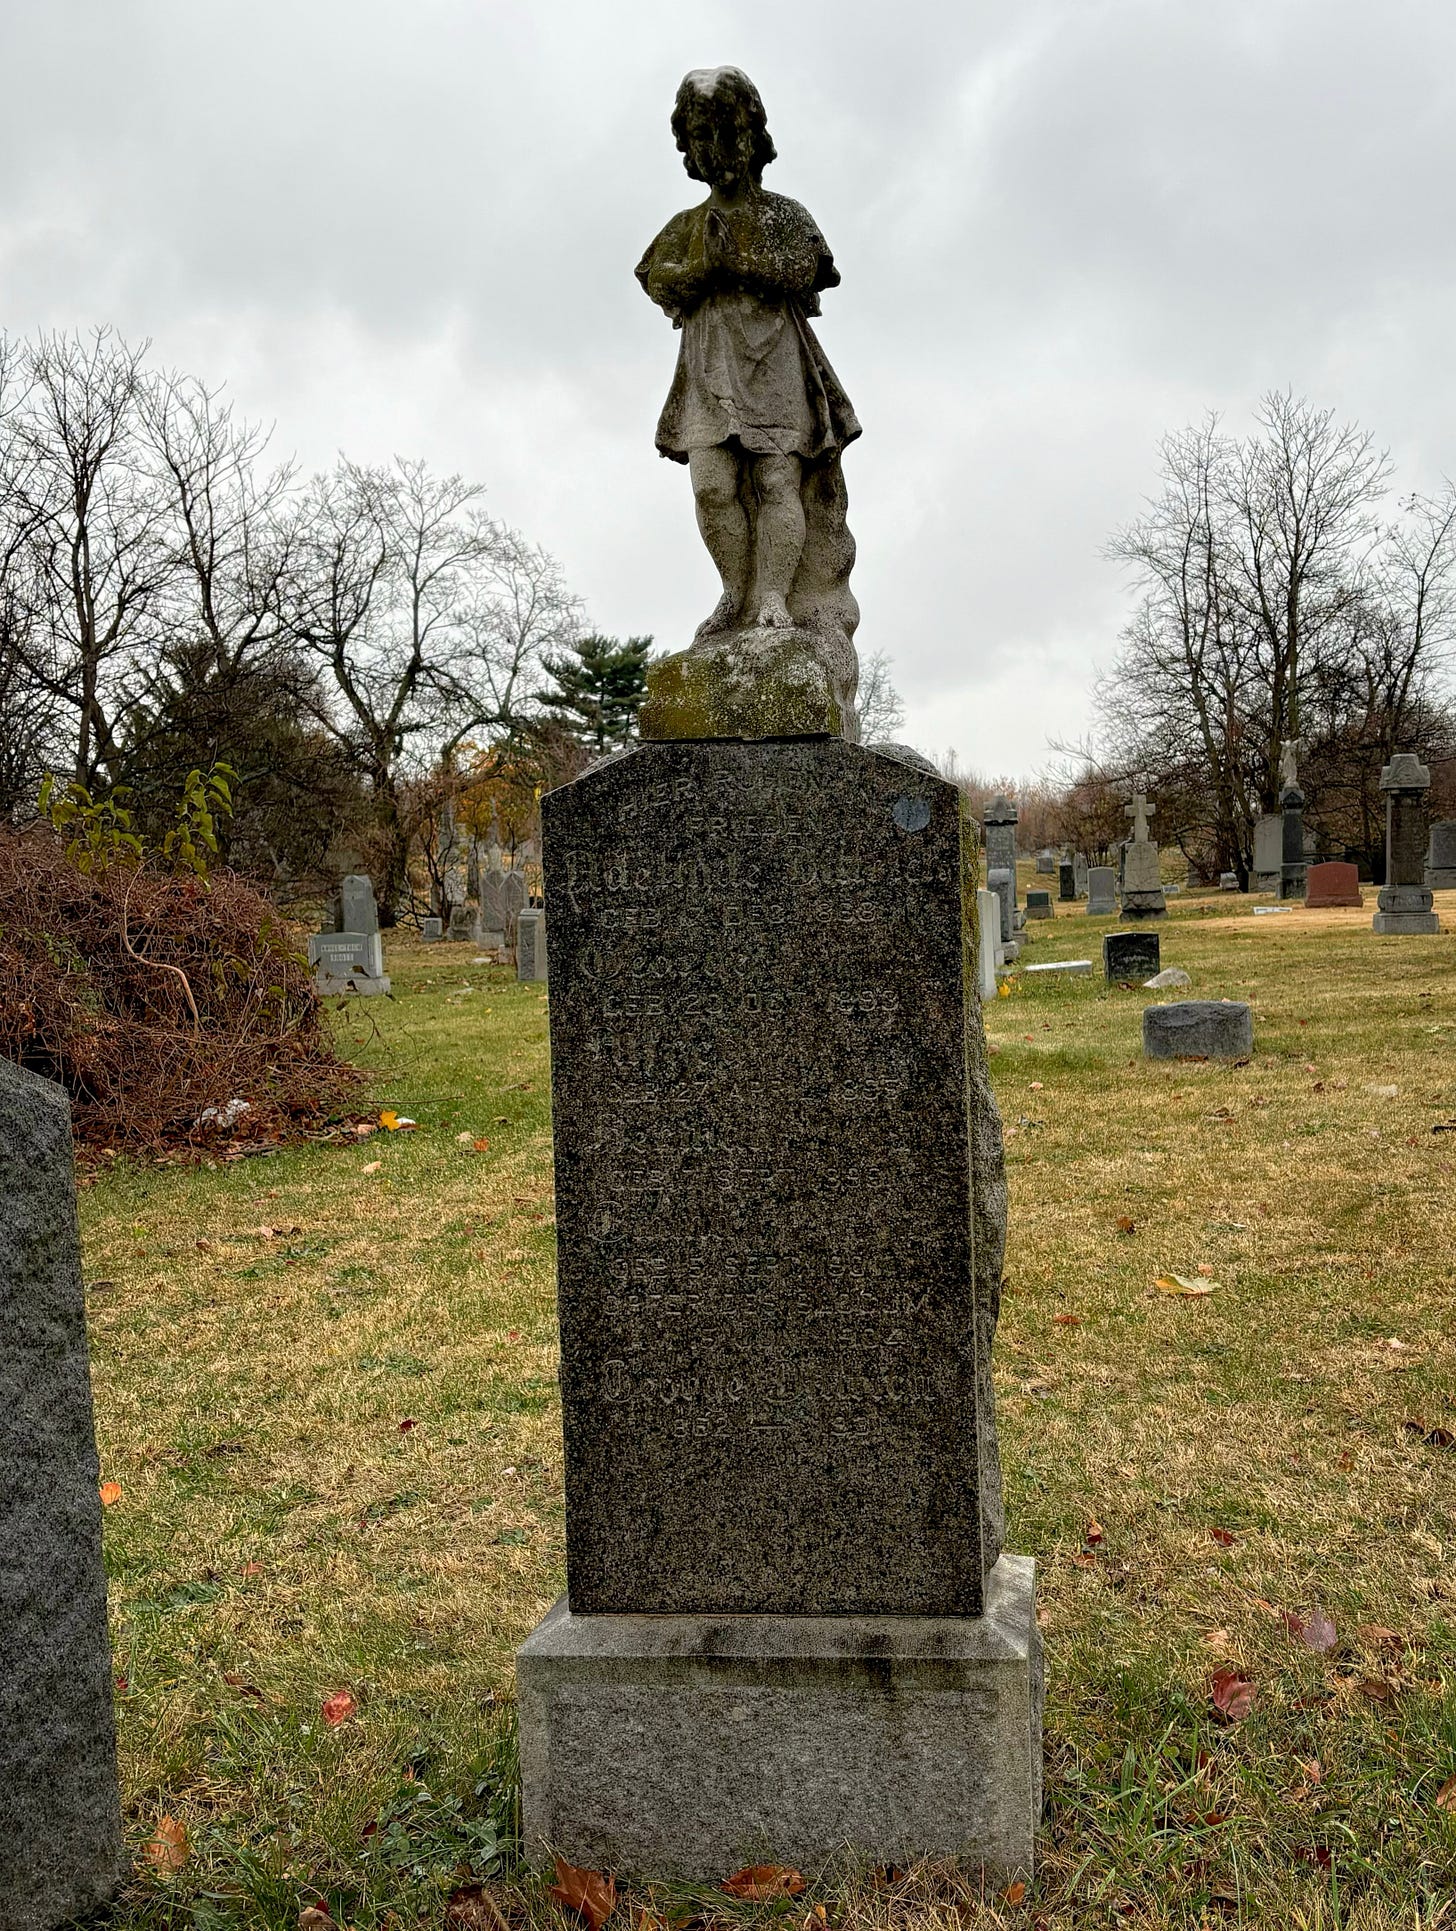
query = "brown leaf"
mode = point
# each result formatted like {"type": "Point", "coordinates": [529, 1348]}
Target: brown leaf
{"type": "Point", "coordinates": [1446, 1795]}
{"type": "Point", "coordinates": [1232, 1694]}
{"type": "Point", "coordinates": [1372, 1687]}
{"type": "Point", "coordinates": [1379, 1637]}
{"type": "Point", "coordinates": [167, 1849]}
{"type": "Point", "coordinates": [1318, 1632]}
{"type": "Point", "coordinates": [1225, 1537]}
{"type": "Point", "coordinates": [1067, 1320]}
{"type": "Point", "coordinates": [1216, 1639]}
{"type": "Point", "coordinates": [472, 1908]}
{"type": "Point", "coordinates": [338, 1708]}
{"type": "Point", "coordinates": [588, 1895]}
{"type": "Point", "coordinates": [760, 1881]}
{"type": "Point", "coordinates": [1126, 1224]}
{"type": "Point", "coordinates": [1433, 1437]}
{"type": "Point", "coordinates": [409, 1423]}
{"type": "Point", "coordinates": [1094, 1533]}
{"type": "Point", "coordinates": [110, 1494]}
{"type": "Point", "coordinates": [1014, 1893]}
{"type": "Point", "coordinates": [315, 1917]}
{"type": "Point", "coordinates": [1206, 1270]}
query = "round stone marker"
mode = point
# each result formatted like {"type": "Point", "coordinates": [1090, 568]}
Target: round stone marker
{"type": "Point", "coordinates": [1198, 1029]}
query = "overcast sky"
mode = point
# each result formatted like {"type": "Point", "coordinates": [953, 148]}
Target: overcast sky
{"type": "Point", "coordinates": [1064, 227]}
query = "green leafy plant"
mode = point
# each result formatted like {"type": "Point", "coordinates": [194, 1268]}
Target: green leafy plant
{"type": "Point", "coordinates": [206, 797]}
{"type": "Point", "coordinates": [97, 830]}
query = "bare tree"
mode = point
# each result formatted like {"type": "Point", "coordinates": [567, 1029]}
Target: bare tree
{"type": "Point", "coordinates": [881, 708]}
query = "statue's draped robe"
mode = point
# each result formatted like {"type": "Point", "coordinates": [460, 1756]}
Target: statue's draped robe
{"type": "Point", "coordinates": [741, 283]}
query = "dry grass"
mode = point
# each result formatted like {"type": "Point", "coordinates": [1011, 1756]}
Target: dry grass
{"type": "Point", "coordinates": [280, 1537]}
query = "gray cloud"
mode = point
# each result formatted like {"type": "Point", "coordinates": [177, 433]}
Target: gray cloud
{"type": "Point", "coordinates": [1064, 227]}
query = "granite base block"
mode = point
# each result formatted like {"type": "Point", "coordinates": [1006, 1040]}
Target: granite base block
{"type": "Point", "coordinates": [687, 1746]}
{"type": "Point", "coordinates": [1409, 922]}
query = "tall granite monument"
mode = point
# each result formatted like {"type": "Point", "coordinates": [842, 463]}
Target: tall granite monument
{"type": "Point", "coordinates": [1405, 899]}
{"type": "Point", "coordinates": [790, 1630]}
{"type": "Point", "coordinates": [1293, 866]}
{"type": "Point", "coordinates": [60, 1813]}
{"type": "Point", "coordinates": [999, 824]}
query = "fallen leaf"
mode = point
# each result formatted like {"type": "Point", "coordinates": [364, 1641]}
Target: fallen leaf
{"type": "Point", "coordinates": [1037, 1086]}
{"type": "Point", "coordinates": [315, 1917]}
{"type": "Point", "coordinates": [464, 1139]}
{"type": "Point", "coordinates": [1379, 1637]}
{"type": "Point", "coordinates": [203, 1246]}
{"type": "Point", "coordinates": [1232, 1694]}
{"type": "Point", "coordinates": [1178, 1284]}
{"type": "Point", "coordinates": [251, 1569]}
{"type": "Point", "coordinates": [167, 1848]}
{"type": "Point", "coordinates": [389, 1119]}
{"type": "Point", "coordinates": [1314, 1771]}
{"type": "Point", "coordinates": [816, 1920]}
{"type": "Point", "coordinates": [587, 1894]}
{"type": "Point", "coordinates": [110, 1494]}
{"type": "Point", "coordinates": [1067, 1320]}
{"type": "Point", "coordinates": [1216, 1639]}
{"type": "Point", "coordinates": [481, 1146]}
{"type": "Point", "coordinates": [1374, 1688]}
{"type": "Point", "coordinates": [1205, 1270]}
{"type": "Point", "coordinates": [1014, 1893]}
{"type": "Point", "coordinates": [407, 1424]}
{"type": "Point", "coordinates": [1224, 1536]}
{"type": "Point", "coordinates": [338, 1708]}
{"type": "Point", "coordinates": [371, 1166]}
{"type": "Point", "coordinates": [1094, 1533]}
{"type": "Point", "coordinates": [1346, 1461]}
{"type": "Point", "coordinates": [1126, 1224]}
{"type": "Point", "coordinates": [1318, 1633]}
{"type": "Point", "coordinates": [760, 1881]}
{"type": "Point", "coordinates": [472, 1908]}
{"type": "Point", "coordinates": [1446, 1795]}
{"type": "Point", "coordinates": [1432, 1437]}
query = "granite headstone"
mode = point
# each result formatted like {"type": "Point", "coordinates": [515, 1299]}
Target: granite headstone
{"type": "Point", "coordinates": [1440, 869]}
{"type": "Point", "coordinates": [1333, 883]}
{"type": "Point", "coordinates": [1405, 898]}
{"type": "Point", "coordinates": [1130, 956]}
{"type": "Point", "coordinates": [1039, 905]}
{"type": "Point", "coordinates": [531, 943]}
{"type": "Point", "coordinates": [1199, 1029]}
{"type": "Point", "coordinates": [1101, 891]}
{"type": "Point", "coordinates": [1067, 881]}
{"type": "Point", "coordinates": [60, 1817]}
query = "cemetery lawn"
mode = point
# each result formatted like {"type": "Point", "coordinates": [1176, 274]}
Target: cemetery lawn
{"type": "Point", "coordinates": [325, 1386]}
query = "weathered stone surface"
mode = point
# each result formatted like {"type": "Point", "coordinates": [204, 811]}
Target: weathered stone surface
{"type": "Point", "coordinates": [1046, 862]}
{"type": "Point", "coordinates": [988, 927]}
{"type": "Point", "coordinates": [1039, 905]}
{"type": "Point", "coordinates": [1003, 884]}
{"type": "Point", "coordinates": [1142, 885]}
{"type": "Point", "coordinates": [1080, 869]}
{"type": "Point", "coordinates": [1067, 881]}
{"type": "Point", "coordinates": [431, 930]}
{"type": "Point", "coordinates": [1268, 853]}
{"type": "Point", "coordinates": [1405, 898]}
{"type": "Point", "coordinates": [60, 1819]}
{"type": "Point", "coordinates": [531, 944]}
{"type": "Point", "coordinates": [924, 1737]}
{"type": "Point", "coordinates": [1293, 865]}
{"type": "Point", "coordinates": [1198, 1029]}
{"type": "Point", "coordinates": [1067, 968]}
{"type": "Point", "coordinates": [1332, 883]}
{"type": "Point", "coordinates": [761, 418]}
{"type": "Point", "coordinates": [357, 908]}
{"type": "Point", "coordinates": [773, 1131]}
{"type": "Point", "coordinates": [999, 820]}
{"type": "Point", "coordinates": [1228, 881]}
{"type": "Point", "coordinates": [1440, 869]}
{"type": "Point", "coordinates": [1101, 891]}
{"type": "Point", "coordinates": [347, 962]}
{"type": "Point", "coordinates": [1130, 956]}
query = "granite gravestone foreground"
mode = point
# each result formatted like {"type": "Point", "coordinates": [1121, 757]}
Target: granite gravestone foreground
{"type": "Point", "coordinates": [1405, 898]}
{"type": "Point", "coordinates": [1198, 1029]}
{"type": "Point", "coordinates": [1130, 955]}
{"type": "Point", "coordinates": [780, 1204]}
{"type": "Point", "coordinates": [60, 1817]}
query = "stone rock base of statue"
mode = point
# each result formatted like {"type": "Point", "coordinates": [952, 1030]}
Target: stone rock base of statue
{"type": "Point", "coordinates": [1405, 908]}
{"type": "Point", "coordinates": [754, 684]}
{"type": "Point", "coordinates": [687, 1746]}
{"type": "Point", "coordinates": [1142, 884]}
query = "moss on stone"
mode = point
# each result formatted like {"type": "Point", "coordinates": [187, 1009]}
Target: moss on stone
{"type": "Point", "coordinates": [778, 690]}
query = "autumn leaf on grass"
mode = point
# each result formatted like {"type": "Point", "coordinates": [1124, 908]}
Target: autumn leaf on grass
{"type": "Point", "coordinates": [1093, 1536]}
{"type": "Point", "coordinates": [1224, 1537]}
{"type": "Point", "coordinates": [472, 1908]}
{"type": "Point", "coordinates": [586, 1894]}
{"type": "Point", "coordinates": [315, 1917]}
{"type": "Point", "coordinates": [1179, 1284]}
{"type": "Point", "coordinates": [758, 1882]}
{"type": "Point", "coordinates": [1067, 1320]}
{"type": "Point", "coordinates": [110, 1494]}
{"type": "Point", "coordinates": [371, 1166]}
{"type": "Point", "coordinates": [167, 1848]}
{"type": "Point", "coordinates": [1126, 1224]}
{"type": "Point", "coordinates": [1015, 1893]}
{"type": "Point", "coordinates": [1446, 1795]}
{"type": "Point", "coordinates": [1232, 1694]}
{"type": "Point", "coordinates": [338, 1708]}
{"type": "Point", "coordinates": [393, 1122]}
{"type": "Point", "coordinates": [1316, 1631]}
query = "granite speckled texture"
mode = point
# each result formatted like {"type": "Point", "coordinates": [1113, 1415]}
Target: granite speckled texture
{"type": "Point", "coordinates": [811, 1741]}
{"type": "Point", "coordinates": [60, 1822]}
{"type": "Point", "coordinates": [1198, 1029]}
{"type": "Point", "coordinates": [1130, 955]}
{"type": "Point", "coordinates": [769, 1100]}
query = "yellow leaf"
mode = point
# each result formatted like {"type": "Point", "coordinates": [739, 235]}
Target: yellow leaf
{"type": "Point", "coordinates": [389, 1119]}
{"type": "Point", "coordinates": [1180, 1285]}
{"type": "Point", "coordinates": [110, 1493]}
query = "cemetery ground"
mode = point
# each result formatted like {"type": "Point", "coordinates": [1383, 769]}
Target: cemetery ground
{"type": "Point", "coordinates": [325, 1389]}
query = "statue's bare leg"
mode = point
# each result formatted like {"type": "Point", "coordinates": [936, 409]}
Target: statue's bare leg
{"type": "Point", "coordinates": [724, 527]}
{"type": "Point", "coordinates": [780, 536]}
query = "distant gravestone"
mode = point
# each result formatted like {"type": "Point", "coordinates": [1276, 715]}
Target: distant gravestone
{"type": "Point", "coordinates": [431, 930]}
{"type": "Point", "coordinates": [1405, 898]}
{"type": "Point", "coordinates": [1130, 956]}
{"type": "Point", "coordinates": [1440, 871]}
{"type": "Point", "coordinates": [1039, 905]}
{"type": "Point", "coordinates": [531, 943]}
{"type": "Point", "coordinates": [1079, 873]}
{"type": "Point", "coordinates": [60, 1814]}
{"type": "Point", "coordinates": [1333, 883]}
{"type": "Point", "coordinates": [988, 925]}
{"type": "Point", "coordinates": [1000, 821]}
{"type": "Point", "coordinates": [348, 962]}
{"type": "Point", "coordinates": [503, 896]}
{"type": "Point", "coordinates": [1268, 853]}
{"type": "Point", "coordinates": [1101, 891]}
{"type": "Point", "coordinates": [1198, 1029]}
{"type": "Point", "coordinates": [1046, 862]}
{"type": "Point", "coordinates": [1142, 881]}
{"type": "Point", "coordinates": [357, 909]}
{"type": "Point", "coordinates": [1293, 853]}
{"type": "Point", "coordinates": [1067, 882]}
{"type": "Point", "coordinates": [464, 923]}
{"type": "Point", "coordinates": [1001, 883]}
{"type": "Point", "coordinates": [1228, 881]}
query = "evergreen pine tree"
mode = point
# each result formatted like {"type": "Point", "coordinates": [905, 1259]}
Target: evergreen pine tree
{"type": "Point", "coordinates": [601, 689]}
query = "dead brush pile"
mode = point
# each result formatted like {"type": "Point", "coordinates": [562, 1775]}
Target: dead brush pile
{"type": "Point", "coordinates": [153, 997]}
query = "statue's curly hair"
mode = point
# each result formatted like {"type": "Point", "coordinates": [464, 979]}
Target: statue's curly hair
{"type": "Point", "coordinates": [725, 90]}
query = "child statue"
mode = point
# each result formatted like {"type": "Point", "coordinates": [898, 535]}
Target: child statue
{"type": "Point", "coordinates": [755, 410]}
